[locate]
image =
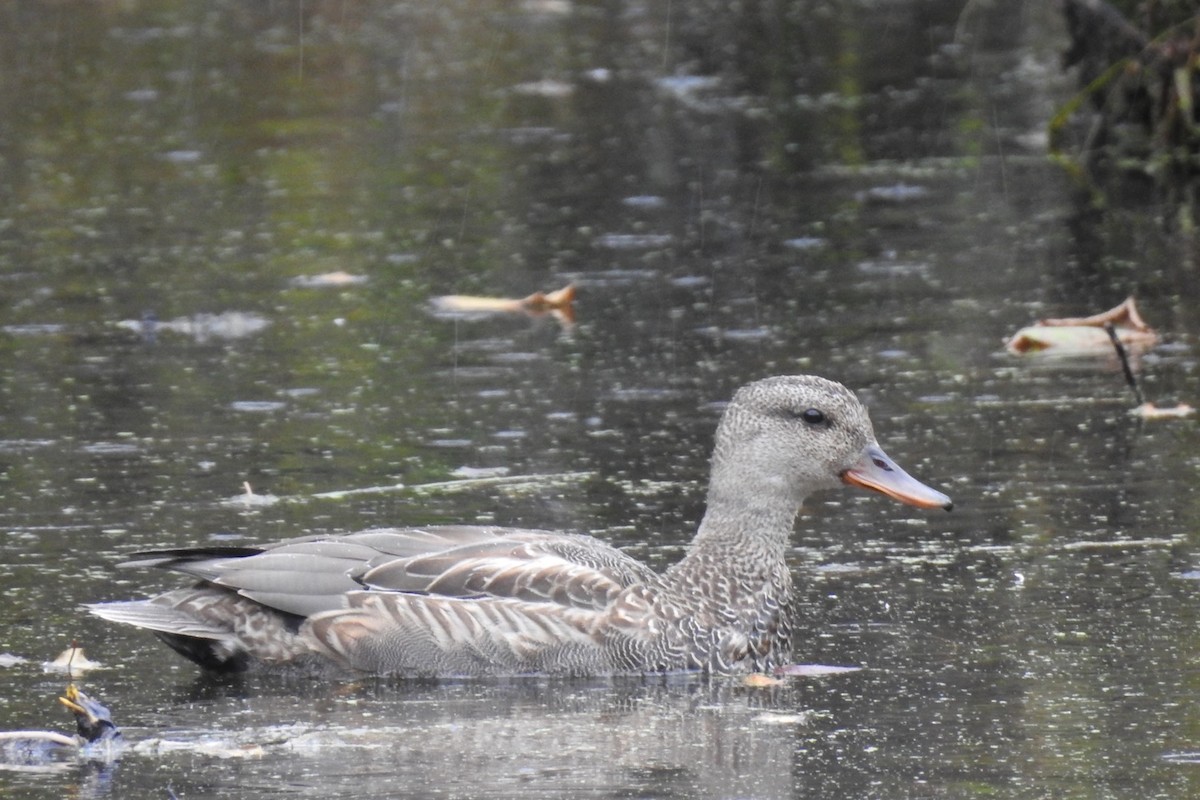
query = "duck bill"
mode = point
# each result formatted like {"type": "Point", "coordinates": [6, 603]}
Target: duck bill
{"type": "Point", "coordinates": [876, 471]}
{"type": "Point", "coordinates": [73, 707]}
{"type": "Point", "coordinates": [83, 706]}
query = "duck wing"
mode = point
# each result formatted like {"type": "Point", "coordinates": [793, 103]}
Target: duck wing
{"type": "Point", "coordinates": [455, 600]}
{"type": "Point", "coordinates": [433, 635]}
{"type": "Point", "coordinates": [533, 566]}
{"type": "Point", "coordinates": [309, 575]}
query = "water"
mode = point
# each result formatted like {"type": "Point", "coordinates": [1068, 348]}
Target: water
{"type": "Point", "coordinates": [846, 189]}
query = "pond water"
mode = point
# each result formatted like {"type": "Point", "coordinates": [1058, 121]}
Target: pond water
{"type": "Point", "coordinates": [221, 226]}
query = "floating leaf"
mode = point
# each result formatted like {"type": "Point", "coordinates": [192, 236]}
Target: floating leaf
{"type": "Point", "coordinates": [73, 661]}
{"type": "Point", "coordinates": [558, 304]}
{"type": "Point", "coordinates": [1085, 335]}
{"type": "Point", "coordinates": [1151, 411]}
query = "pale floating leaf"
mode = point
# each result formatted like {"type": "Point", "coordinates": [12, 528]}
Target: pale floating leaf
{"type": "Point", "coordinates": [71, 661]}
{"type": "Point", "coordinates": [558, 304]}
{"type": "Point", "coordinates": [1151, 411]}
{"type": "Point", "coordinates": [1085, 335]}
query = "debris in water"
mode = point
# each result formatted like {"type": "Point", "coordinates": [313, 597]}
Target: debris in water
{"type": "Point", "coordinates": [1152, 412]}
{"type": "Point", "coordinates": [72, 661]}
{"type": "Point", "coordinates": [248, 499]}
{"type": "Point", "coordinates": [558, 304]}
{"type": "Point", "coordinates": [325, 280]}
{"type": "Point", "coordinates": [1085, 335]}
{"type": "Point", "coordinates": [1144, 409]}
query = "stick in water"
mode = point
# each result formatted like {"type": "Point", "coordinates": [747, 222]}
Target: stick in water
{"type": "Point", "coordinates": [1124, 356]}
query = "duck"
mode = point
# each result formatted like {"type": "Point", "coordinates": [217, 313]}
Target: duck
{"type": "Point", "coordinates": [97, 737]}
{"type": "Point", "coordinates": [456, 601]}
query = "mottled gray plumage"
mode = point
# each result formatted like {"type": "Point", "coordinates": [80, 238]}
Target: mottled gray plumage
{"type": "Point", "coordinates": [465, 600]}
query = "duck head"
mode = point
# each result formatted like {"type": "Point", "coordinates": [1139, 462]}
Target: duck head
{"type": "Point", "coordinates": [790, 435]}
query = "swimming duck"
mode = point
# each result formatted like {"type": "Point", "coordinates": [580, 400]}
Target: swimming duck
{"type": "Point", "coordinates": [97, 737]}
{"type": "Point", "coordinates": [469, 600]}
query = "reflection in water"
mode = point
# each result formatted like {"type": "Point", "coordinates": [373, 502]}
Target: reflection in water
{"type": "Point", "coordinates": [857, 189]}
{"type": "Point", "coordinates": [523, 739]}
{"type": "Point", "coordinates": [201, 327]}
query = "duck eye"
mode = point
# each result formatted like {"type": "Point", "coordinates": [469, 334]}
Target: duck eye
{"type": "Point", "coordinates": [813, 416]}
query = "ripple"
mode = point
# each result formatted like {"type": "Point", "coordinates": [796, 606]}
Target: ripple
{"type": "Point", "coordinates": [182, 156]}
{"type": "Point", "coordinates": [638, 394]}
{"type": "Point", "coordinates": [22, 445]}
{"type": "Point", "coordinates": [804, 243]}
{"type": "Point", "coordinates": [679, 85]}
{"type": "Point", "coordinates": [201, 327]}
{"type": "Point", "coordinates": [892, 268]}
{"type": "Point", "coordinates": [257, 406]}
{"type": "Point", "coordinates": [644, 201]}
{"type": "Point", "coordinates": [337, 279]}
{"type": "Point", "coordinates": [34, 329]}
{"type": "Point", "coordinates": [110, 448]}
{"type": "Point", "coordinates": [896, 193]}
{"type": "Point", "coordinates": [614, 277]}
{"type": "Point", "coordinates": [516, 358]}
{"type": "Point", "coordinates": [736, 334]}
{"type": "Point", "coordinates": [633, 241]}
{"type": "Point", "coordinates": [450, 443]}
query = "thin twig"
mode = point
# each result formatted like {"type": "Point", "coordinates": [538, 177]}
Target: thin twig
{"type": "Point", "coordinates": [1130, 378]}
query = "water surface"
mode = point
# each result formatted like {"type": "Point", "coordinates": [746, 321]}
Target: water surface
{"type": "Point", "coordinates": [856, 189]}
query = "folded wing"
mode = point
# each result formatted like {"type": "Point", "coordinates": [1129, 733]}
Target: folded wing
{"type": "Point", "coordinates": [458, 599]}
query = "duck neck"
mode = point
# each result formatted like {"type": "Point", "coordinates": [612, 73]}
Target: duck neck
{"type": "Point", "coordinates": [743, 540]}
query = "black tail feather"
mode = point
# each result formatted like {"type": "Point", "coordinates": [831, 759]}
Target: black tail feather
{"type": "Point", "coordinates": [210, 654]}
